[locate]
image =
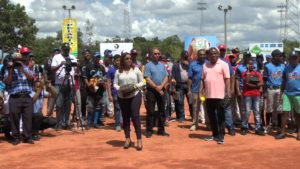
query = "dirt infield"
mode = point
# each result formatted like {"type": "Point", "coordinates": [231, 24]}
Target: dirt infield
{"type": "Point", "coordinates": [103, 148]}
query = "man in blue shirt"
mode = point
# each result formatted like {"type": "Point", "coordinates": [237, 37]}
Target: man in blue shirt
{"type": "Point", "coordinates": [291, 94]}
{"type": "Point", "coordinates": [195, 76]}
{"type": "Point", "coordinates": [273, 78]}
{"type": "Point", "coordinates": [18, 79]}
{"type": "Point", "coordinates": [156, 77]}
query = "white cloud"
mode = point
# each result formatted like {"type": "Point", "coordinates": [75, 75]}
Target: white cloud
{"type": "Point", "coordinates": [248, 21]}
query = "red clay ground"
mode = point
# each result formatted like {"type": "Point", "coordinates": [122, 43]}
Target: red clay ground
{"type": "Point", "coordinates": [103, 148]}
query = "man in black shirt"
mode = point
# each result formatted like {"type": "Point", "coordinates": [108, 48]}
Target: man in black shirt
{"type": "Point", "coordinates": [94, 78]}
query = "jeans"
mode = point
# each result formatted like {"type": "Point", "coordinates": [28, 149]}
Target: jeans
{"type": "Point", "coordinates": [228, 117]}
{"type": "Point", "coordinates": [107, 105]}
{"type": "Point", "coordinates": [117, 109]}
{"type": "Point", "coordinates": [131, 110]}
{"type": "Point", "coordinates": [168, 110]}
{"type": "Point", "coordinates": [182, 88]}
{"type": "Point", "coordinates": [251, 104]}
{"type": "Point", "coordinates": [95, 116]}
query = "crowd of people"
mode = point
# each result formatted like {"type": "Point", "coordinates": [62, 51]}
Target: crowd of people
{"type": "Point", "coordinates": [221, 91]}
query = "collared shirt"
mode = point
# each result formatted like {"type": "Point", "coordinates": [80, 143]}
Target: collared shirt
{"type": "Point", "coordinates": [292, 77]}
{"type": "Point", "coordinates": [195, 74]}
{"type": "Point", "coordinates": [273, 74]}
{"type": "Point", "coordinates": [19, 81]}
{"type": "Point", "coordinates": [214, 76]}
{"type": "Point", "coordinates": [156, 72]}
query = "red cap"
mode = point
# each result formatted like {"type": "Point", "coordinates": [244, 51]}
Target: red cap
{"type": "Point", "coordinates": [24, 50]}
{"type": "Point", "coordinates": [222, 47]}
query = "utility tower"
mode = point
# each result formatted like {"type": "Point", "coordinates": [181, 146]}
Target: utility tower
{"type": "Point", "coordinates": [282, 9]}
{"type": "Point", "coordinates": [127, 21]}
{"type": "Point", "coordinates": [292, 31]}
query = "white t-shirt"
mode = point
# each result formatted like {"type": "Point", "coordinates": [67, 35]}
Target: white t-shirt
{"type": "Point", "coordinates": [60, 73]}
{"type": "Point", "coordinates": [133, 76]}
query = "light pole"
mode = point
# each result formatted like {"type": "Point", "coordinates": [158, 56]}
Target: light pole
{"type": "Point", "coordinates": [69, 9]}
{"type": "Point", "coordinates": [201, 8]}
{"type": "Point", "coordinates": [225, 20]}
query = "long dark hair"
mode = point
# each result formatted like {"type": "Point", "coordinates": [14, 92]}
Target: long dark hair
{"type": "Point", "coordinates": [122, 63]}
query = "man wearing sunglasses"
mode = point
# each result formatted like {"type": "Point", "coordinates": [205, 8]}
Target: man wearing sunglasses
{"type": "Point", "coordinates": [156, 77]}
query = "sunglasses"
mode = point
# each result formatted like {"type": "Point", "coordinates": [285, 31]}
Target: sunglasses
{"type": "Point", "coordinates": [156, 53]}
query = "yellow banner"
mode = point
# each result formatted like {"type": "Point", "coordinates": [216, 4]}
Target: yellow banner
{"type": "Point", "coordinates": [69, 34]}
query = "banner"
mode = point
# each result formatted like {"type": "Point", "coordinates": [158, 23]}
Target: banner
{"type": "Point", "coordinates": [69, 34]}
{"type": "Point", "coordinates": [264, 48]}
{"type": "Point", "coordinates": [116, 48]}
{"type": "Point", "coordinates": [193, 43]}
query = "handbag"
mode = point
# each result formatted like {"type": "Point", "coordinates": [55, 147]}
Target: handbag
{"type": "Point", "coordinates": [254, 79]}
{"type": "Point", "coordinates": [127, 89]}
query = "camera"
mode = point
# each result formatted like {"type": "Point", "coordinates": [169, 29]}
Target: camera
{"type": "Point", "coordinates": [70, 64]}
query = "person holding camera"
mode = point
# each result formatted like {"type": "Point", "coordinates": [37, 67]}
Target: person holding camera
{"type": "Point", "coordinates": [18, 79]}
{"type": "Point", "coordinates": [252, 90]}
{"type": "Point", "coordinates": [62, 64]}
{"type": "Point", "coordinates": [128, 82]}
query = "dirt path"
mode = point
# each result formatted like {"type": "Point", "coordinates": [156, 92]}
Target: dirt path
{"type": "Point", "coordinates": [103, 148]}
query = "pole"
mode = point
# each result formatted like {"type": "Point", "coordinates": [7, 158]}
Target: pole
{"type": "Point", "coordinates": [69, 13]}
{"type": "Point", "coordinates": [225, 27]}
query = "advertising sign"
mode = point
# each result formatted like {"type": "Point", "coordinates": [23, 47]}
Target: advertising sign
{"type": "Point", "coordinates": [193, 43]}
{"type": "Point", "coordinates": [116, 48]}
{"type": "Point", "coordinates": [69, 34]}
{"type": "Point", "coordinates": [264, 48]}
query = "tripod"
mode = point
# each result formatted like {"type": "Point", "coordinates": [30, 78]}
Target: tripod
{"type": "Point", "coordinates": [74, 98]}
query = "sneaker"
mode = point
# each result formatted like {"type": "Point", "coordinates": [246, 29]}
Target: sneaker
{"type": "Point", "coordinates": [221, 142]}
{"type": "Point", "coordinates": [118, 128]}
{"type": "Point", "coordinates": [97, 126]}
{"type": "Point", "coordinates": [211, 138]}
{"type": "Point", "coordinates": [259, 132]}
{"type": "Point", "coordinates": [298, 137]}
{"type": "Point", "coordinates": [163, 133]}
{"type": "Point", "coordinates": [148, 134]}
{"type": "Point", "coordinates": [36, 137]}
{"type": "Point", "coordinates": [280, 136]}
{"type": "Point", "coordinates": [28, 141]}
{"type": "Point", "coordinates": [231, 132]}
{"type": "Point", "coordinates": [193, 128]}
{"type": "Point", "coordinates": [268, 129]}
{"type": "Point", "coordinates": [15, 142]}
{"type": "Point", "coordinates": [244, 132]}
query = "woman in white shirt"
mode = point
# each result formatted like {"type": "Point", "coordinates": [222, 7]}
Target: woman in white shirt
{"type": "Point", "coordinates": [128, 82]}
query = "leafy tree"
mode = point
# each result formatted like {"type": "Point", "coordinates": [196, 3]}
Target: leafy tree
{"type": "Point", "coordinates": [16, 26]}
{"type": "Point", "coordinates": [289, 46]}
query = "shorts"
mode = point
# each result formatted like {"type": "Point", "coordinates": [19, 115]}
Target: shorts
{"type": "Point", "coordinates": [291, 103]}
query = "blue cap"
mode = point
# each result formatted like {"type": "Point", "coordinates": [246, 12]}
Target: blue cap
{"type": "Point", "coordinates": [108, 53]}
{"type": "Point", "coordinates": [86, 50]}
{"type": "Point", "coordinates": [268, 56]}
{"type": "Point", "coordinates": [97, 54]}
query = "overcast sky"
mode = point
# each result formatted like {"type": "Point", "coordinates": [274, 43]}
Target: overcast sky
{"type": "Point", "coordinates": [248, 21]}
